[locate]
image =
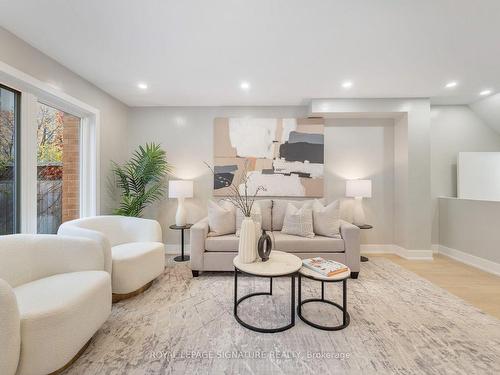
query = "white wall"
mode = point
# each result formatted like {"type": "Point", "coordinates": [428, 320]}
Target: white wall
{"type": "Point", "coordinates": [413, 203]}
{"type": "Point", "coordinates": [488, 110]}
{"type": "Point", "coordinates": [186, 133]}
{"type": "Point", "coordinates": [454, 129]}
{"type": "Point", "coordinates": [353, 149]}
{"type": "Point", "coordinates": [20, 55]}
{"type": "Point", "coordinates": [478, 175]}
{"type": "Point", "coordinates": [400, 180]}
{"type": "Point", "coordinates": [363, 148]}
{"type": "Point", "coordinates": [471, 227]}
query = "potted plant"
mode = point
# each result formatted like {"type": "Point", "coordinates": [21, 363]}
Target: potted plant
{"type": "Point", "coordinates": [141, 179]}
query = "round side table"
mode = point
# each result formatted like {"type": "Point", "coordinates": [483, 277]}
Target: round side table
{"type": "Point", "coordinates": [182, 228]}
{"type": "Point", "coordinates": [313, 275]}
{"type": "Point", "coordinates": [279, 264]}
{"type": "Point", "coordinates": [364, 226]}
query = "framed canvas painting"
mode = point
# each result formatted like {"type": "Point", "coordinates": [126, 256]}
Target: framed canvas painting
{"type": "Point", "coordinates": [283, 155]}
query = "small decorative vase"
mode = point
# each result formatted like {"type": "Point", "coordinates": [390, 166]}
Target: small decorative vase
{"type": "Point", "coordinates": [264, 246]}
{"type": "Point", "coordinates": [247, 247]}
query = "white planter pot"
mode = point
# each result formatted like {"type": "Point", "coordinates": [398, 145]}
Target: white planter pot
{"type": "Point", "coordinates": [247, 247]}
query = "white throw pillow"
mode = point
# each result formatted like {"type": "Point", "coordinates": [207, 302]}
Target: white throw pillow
{"type": "Point", "coordinates": [298, 221]}
{"type": "Point", "coordinates": [255, 215]}
{"type": "Point", "coordinates": [221, 218]}
{"type": "Point", "coordinates": [326, 220]}
{"type": "Point", "coordinates": [279, 210]}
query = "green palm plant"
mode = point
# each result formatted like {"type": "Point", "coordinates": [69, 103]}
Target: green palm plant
{"type": "Point", "coordinates": [141, 179]}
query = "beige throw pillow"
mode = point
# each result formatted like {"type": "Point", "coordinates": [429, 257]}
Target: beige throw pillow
{"type": "Point", "coordinates": [326, 220]}
{"type": "Point", "coordinates": [221, 218]}
{"type": "Point", "coordinates": [279, 210]}
{"type": "Point", "coordinates": [298, 221]}
{"type": "Point", "coordinates": [255, 215]}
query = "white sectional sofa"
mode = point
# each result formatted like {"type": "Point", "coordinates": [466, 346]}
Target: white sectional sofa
{"type": "Point", "coordinates": [54, 295]}
{"type": "Point", "coordinates": [216, 253]}
{"type": "Point", "coordinates": [135, 254]}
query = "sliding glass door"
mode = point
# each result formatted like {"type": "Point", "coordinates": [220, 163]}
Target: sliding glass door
{"type": "Point", "coordinates": [49, 157]}
{"type": "Point", "coordinates": [9, 160]}
{"type": "Point", "coordinates": [58, 168]}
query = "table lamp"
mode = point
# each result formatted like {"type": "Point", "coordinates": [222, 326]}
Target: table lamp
{"type": "Point", "coordinates": [180, 189]}
{"type": "Point", "coordinates": [358, 189]}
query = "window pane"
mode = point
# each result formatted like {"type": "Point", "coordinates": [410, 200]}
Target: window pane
{"type": "Point", "coordinates": [58, 168]}
{"type": "Point", "coordinates": [8, 161]}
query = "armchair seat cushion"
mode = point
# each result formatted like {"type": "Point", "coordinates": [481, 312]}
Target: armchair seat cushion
{"type": "Point", "coordinates": [59, 314]}
{"type": "Point", "coordinates": [135, 264]}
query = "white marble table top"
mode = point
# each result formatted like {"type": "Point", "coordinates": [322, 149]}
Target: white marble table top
{"type": "Point", "coordinates": [279, 264]}
{"type": "Point", "coordinates": [316, 275]}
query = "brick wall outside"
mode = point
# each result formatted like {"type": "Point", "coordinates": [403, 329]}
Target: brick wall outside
{"type": "Point", "coordinates": [71, 168]}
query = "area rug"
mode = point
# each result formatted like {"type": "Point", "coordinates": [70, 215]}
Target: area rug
{"type": "Point", "coordinates": [400, 324]}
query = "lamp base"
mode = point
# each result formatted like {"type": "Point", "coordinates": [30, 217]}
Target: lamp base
{"type": "Point", "coordinates": [180, 215]}
{"type": "Point", "coordinates": [359, 214]}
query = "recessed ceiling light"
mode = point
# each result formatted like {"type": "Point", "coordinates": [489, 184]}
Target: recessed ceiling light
{"type": "Point", "coordinates": [142, 86]}
{"type": "Point", "coordinates": [347, 84]}
{"type": "Point", "coordinates": [485, 92]}
{"type": "Point", "coordinates": [451, 84]}
{"type": "Point", "coordinates": [245, 85]}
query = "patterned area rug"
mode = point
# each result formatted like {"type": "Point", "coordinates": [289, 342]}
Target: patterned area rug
{"type": "Point", "coordinates": [400, 324]}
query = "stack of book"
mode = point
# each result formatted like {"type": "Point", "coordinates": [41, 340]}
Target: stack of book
{"type": "Point", "coordinates": [325, 267]}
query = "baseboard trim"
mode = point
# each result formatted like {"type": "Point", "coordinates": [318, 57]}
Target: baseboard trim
{"type": "Point", "coordinates": [376, 249]}
{"type": "Point", "coordinates": [413, 254]}
{"type": "Point", "coordinates": [471, 260]}
{"type": "Point", "coordinates": [398, 250]}
{"type": "Point", "coordinates": [171, 249]}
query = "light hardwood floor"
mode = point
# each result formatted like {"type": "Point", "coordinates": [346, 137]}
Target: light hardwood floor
{"type": "Point", "coordinates": [481, 289]}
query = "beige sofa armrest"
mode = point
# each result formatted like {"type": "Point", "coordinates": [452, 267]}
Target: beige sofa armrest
{"type": "Point", "coordinates": [199, 232]}
{"type": "Point", "coordinates": [350, 234]}
{"type": "Point", "coordinates": [10, 330]}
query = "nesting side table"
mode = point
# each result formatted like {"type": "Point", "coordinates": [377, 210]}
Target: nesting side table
{"type": "Point", "coordinates": [313, 275]}
{"type": "Point", "coordinates": [280, 264]}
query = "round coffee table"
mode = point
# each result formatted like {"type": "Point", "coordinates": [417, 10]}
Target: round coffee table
{"type": "Point", "coordinates": [280, 264]}
{"type": "Point", "coordinates": [313, 275]}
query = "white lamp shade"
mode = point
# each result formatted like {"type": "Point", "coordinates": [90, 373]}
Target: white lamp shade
{"type": "Point", "coordinates": [358, 188]}
{"type": "Point", "coordinates": [180, 189]}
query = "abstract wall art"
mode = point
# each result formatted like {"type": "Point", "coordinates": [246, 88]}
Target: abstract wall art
{"type": "Point", "coordinates": [284, 155]}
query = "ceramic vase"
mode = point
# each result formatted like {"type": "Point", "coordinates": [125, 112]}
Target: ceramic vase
{"type": "Point", "coordinates": [247, 247]}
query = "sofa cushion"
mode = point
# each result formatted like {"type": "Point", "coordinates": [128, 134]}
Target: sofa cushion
{"type": "Point", "coordinates": [281, 241]}
{"type": "Point", "coordinates": [221, 217]}
{"type": "Point", "coordinates": [59, 314]}
{"type": "Point", "coordinates": [298, 221]}
{"type": "Point", "coordinates": [265, 211]}
{"type": "Point", "coordinates": [279, 210]}
{"type": "Point", "coordinates": [135, 264]}
{"type": "Point", "coordinates": [228, 242]}
{"type": "Point", "coordinates": [295, 244]}
{"type": "Point", "coordinates": [326, 219]}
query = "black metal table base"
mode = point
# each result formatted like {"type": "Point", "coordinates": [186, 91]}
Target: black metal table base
{"type": "Point", "coordinates": [345, 315]}
{"type": "Point", "coordinates": [237, 301]}
{"type": "Point", "coordinates": [182, 228]}
{"type": "Point", "coordinates": [182, 258]}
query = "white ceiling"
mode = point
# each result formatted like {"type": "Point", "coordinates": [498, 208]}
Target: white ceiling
{"type": "Point", "coordinates": [196, 52]}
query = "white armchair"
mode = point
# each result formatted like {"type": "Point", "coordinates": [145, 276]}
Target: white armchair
{"type": "Point", "coordinates": [54, 295]}
{"type": "Point", "coordinates": [134, 252]}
